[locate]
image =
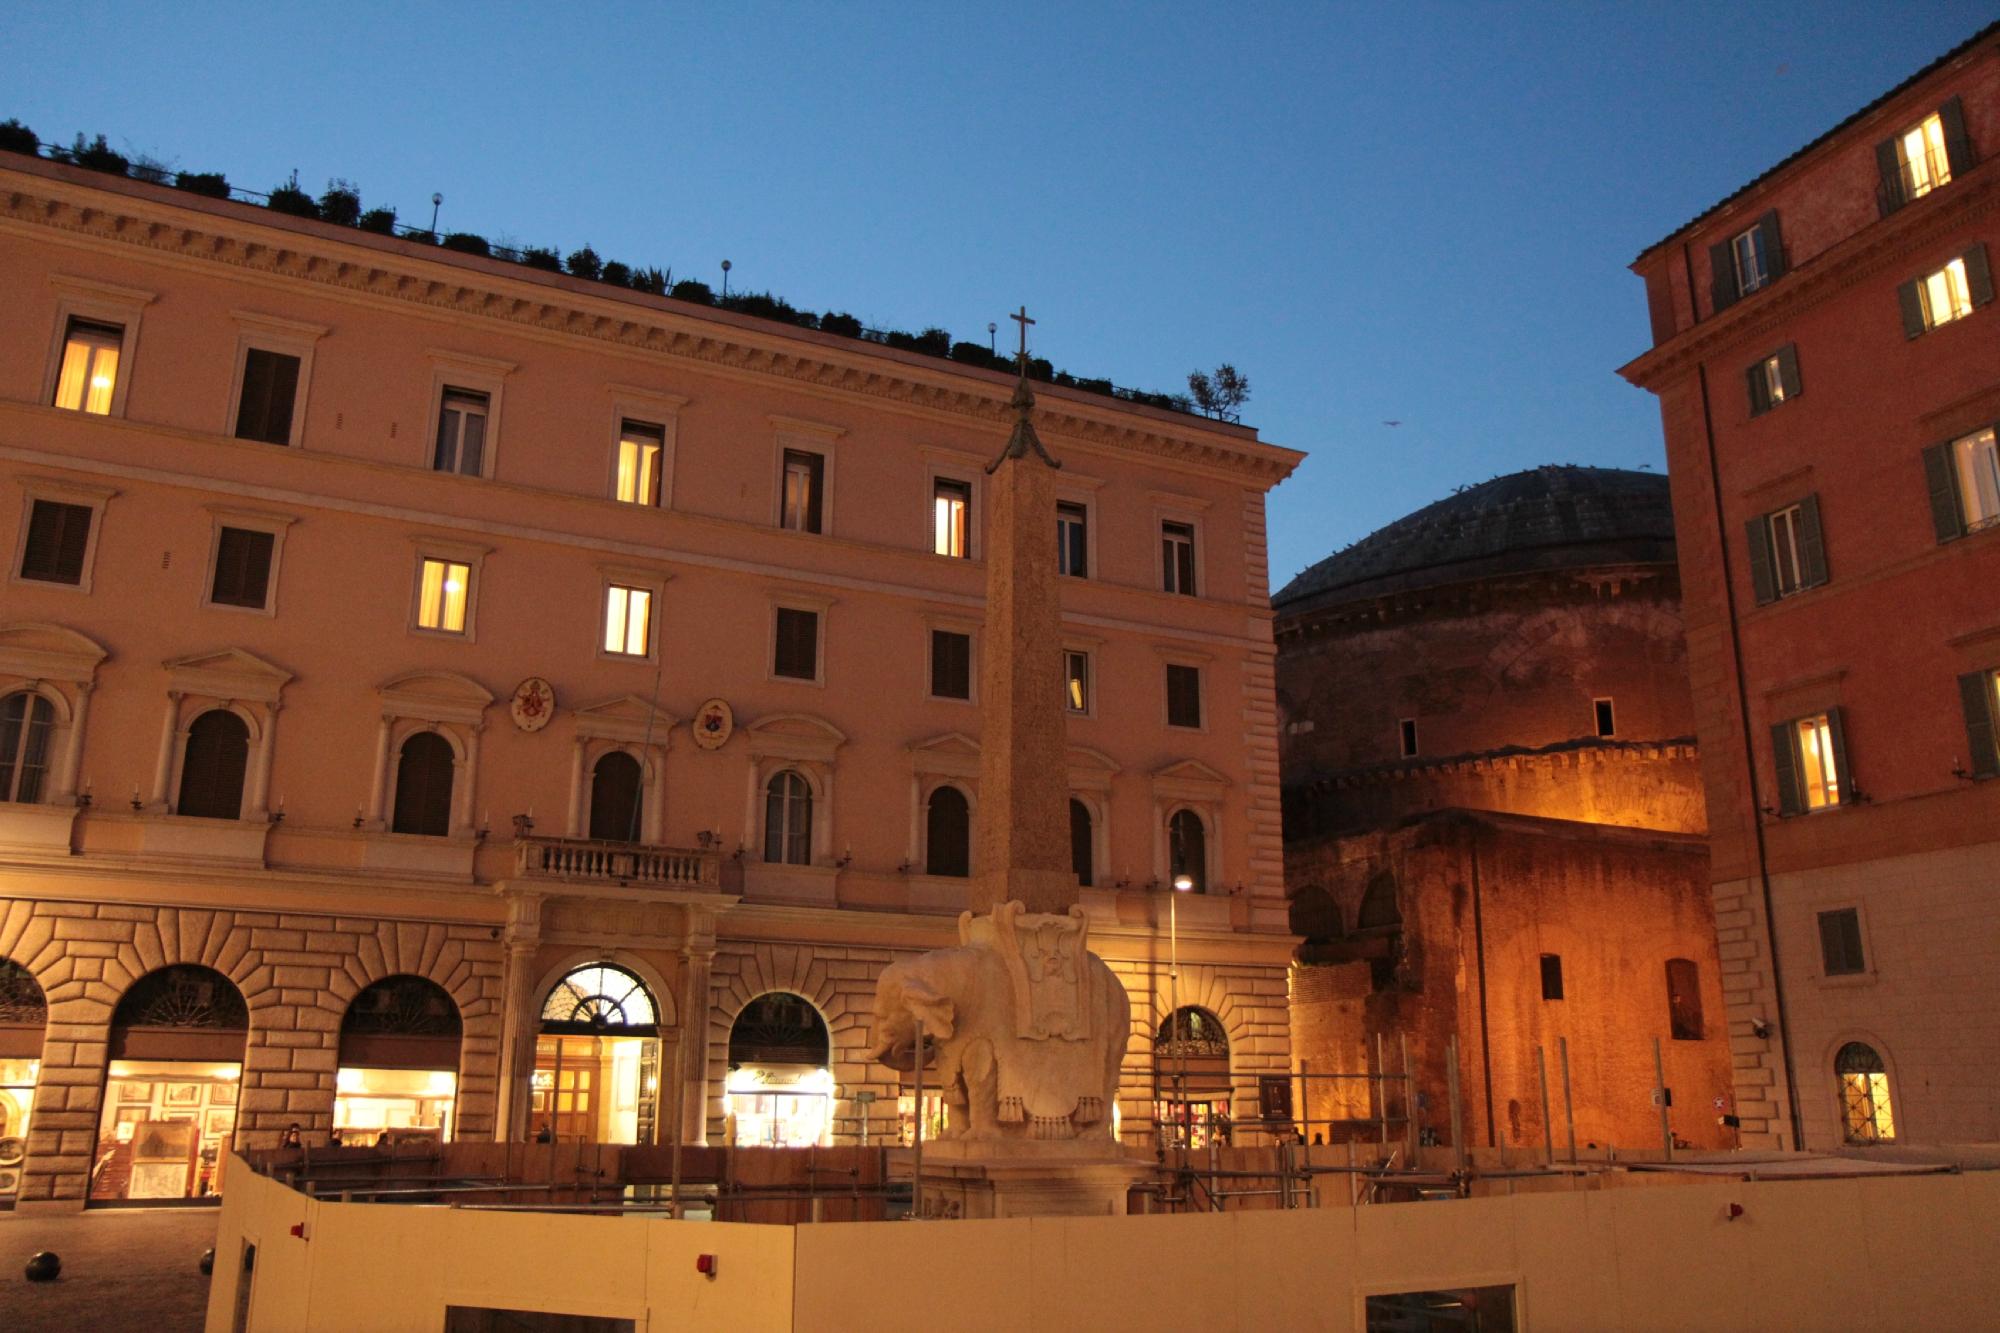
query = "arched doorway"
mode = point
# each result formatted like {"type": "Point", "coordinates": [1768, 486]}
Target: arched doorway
{"type": "Point", "coordinates": [170, 1091]}
{"type": "Point", "coordinates": [398, 1063]}
{"type": "Point", "coordinates": [780, 1084]}
{"type": "Point", "coordinates": [24, 1016]}
{"type": "Point", "coordinates": [597, 1060]}
{"type": "Point", "coordinates": [1191, 1078]}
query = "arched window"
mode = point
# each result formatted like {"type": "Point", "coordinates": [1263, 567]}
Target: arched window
{"type": "Point", "coordinates": [1378, 905]}
{"type": "Point", "coordinates": [1082, 854]}
{"type": "Point", "coordinates": [1865, 1114]}
{"type": "Point", "coordinates": [1684, 999]}
{"type": "Point", "coordinates": [598, 998]}
{"type": "Point", "coordinates": [597, 1059]}
{"type": "Point", "coordinates": [1191, 1088]}
{"type": "Point", "coordinates": [24, 1013]}
{"type": "Point", "coordinates": [218, 749]}
{"type": "Point", "coordinates": [788, 818]}
{"type": "Point", "coordinates": [779, 1085]}
{"type": "Point", "coordinates": [399, 1045]}
{"type": "Point", "coordinates": [26, 721]}
{"type": "Point", "coordinates": [948, 834]}
{"type": "Point", "coordinates": [172, 1085]}
{"type": "Point", "coordinates": [615, 784]}
{"type": "Point", "coordinates": [423, 786]}
{"type": "Point", "coordinates": [1187, 842]}
{"type": "Point", "coordinates": [779, 1028]}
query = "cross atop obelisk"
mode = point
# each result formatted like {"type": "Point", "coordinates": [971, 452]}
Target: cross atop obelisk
{"type": "Point", "coordinates": [1024, 744]}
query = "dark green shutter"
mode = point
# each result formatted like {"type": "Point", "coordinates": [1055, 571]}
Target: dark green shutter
{"type": "Point", "coordinates": [1978, 275]}
{"type": "Point", "coordinates": [1975, 694]}
{"type": "Point", "coordinates": [1722, 277]}
{"type": "Point", "coordinates": [1774, 246]}
{"type": "Point", "coordinates": [1812, 546]}
{"type": "Point", "coordinates": [1843, 776]}
{"type": "Point", "coordinates": [1788, 370]}
{"type": "Point", "coordinates": [1947, 511]}
{"type": "Point", "coordinates": [1889, 194]}
{"type": "Point", "coordinates": [1791, 797]}
{"type": "Point", "coordinates": [1957, 145]}
{"type": "Point", "coordinates": [1913, 309]}
{"type": "Point", "coordinates": [1760, 389]}
{"type": "Point", "coordinates": [1758, 533]}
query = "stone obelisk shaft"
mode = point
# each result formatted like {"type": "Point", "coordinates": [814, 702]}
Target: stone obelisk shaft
{"type": "Point", "coordinates": [1024, 766]}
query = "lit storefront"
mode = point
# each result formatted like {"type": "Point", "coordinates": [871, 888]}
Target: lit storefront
{"type": "Point", "coordinates": [1191, 1079]}
{"type": "Point", "coordinates": [597, 1060]}
{"type": "Point", "coordinates": [399, 1045]}
{"type": "Point", "coordinates": [171, 1091]}
{"type": "Point", "coordinates": [779, 1086]}
{"type": "Point", "coordinates": [23, 1022]}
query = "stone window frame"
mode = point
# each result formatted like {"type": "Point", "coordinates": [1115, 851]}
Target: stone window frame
{"type": "Point", "coordinates": [649, 407]}
{"type": "Point", "coordinates": [941, 622]}
{"type": "Point", "coordinates": [1076, 489]}
{"type": "Point", "coordinates": [942, 464]}
{"type": "Point", "coordinates": [644, 578]}
{"type": "Point", "coordinates": [798, 599]}
{"type": "Point", "coordinates": [60, 665]}
{"type": "Point", "coordinates": [1175, 655]}
{"type": "Point", "coordinates": [1898, 1105]}
{"type": "Point", "coordinates": [1192, 785]}
{"type": "Point", "coordinates": [807, 745]}
{"type": "Point", "coordinates": [621, 724]}
{"type": "Point", "coordinates": [1092, 648]}
{"type": "Point", "coordinates": [452, 705]}
{"type": "Point", "coordinates": [427, 547]}
{"type": "Point", "coordinates": [948, 760]}
{"type": "Point", "coordinates": [810, 437]}
{"type": "Point", "coordinates": [286, 337]}
{"type": "Point", "coordinates": [1090, 773]}
{"type": "Point", "coordinates": [466, 372]}
{"type": "Point", "coordinates": [1174, 507]}
{"type": "Point", "coordinates": [239, 682]}
{"type": "Point", "coordinates": [60, 490]}
{"type": "Point", "coordinates": [96, 302]}
{"type": "Point", "coordinates": [1870, 973]}
{"type": "Point", "coordinates": [250, 520]}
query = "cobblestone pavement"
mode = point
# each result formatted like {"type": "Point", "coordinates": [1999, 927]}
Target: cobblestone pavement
{"type": "Point", "coordinates": [134, 1268]}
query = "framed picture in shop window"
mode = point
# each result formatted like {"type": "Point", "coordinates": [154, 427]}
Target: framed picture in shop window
{"type": "Point", "coordinates": [218, 1122]}
{"type": "Point", "coordinates": [222, 1094]}
{"type": "Point", "coordinates": [183, 1094]}
{"type": "Point", "coordinates": [134, 1092]}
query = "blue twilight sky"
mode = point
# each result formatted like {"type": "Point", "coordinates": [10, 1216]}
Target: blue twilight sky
{"type": "Point", "coordinates": [1411, 212]}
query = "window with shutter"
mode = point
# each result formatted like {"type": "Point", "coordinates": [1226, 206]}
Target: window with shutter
{"type": "Point", "coordinates": [1946, 294]}
{"type": "Point", "coordinates": [797, 652]}
{"type": "Point", "coordinates": [1812, 763]}
{"type": "Point", "coordinates": [1785, 760]}
{"type": "Point", "coordinates": [270, 389]}
{"type": "Point", "coordinates": [242, 568]}
{"type": "Point", "coordinates": [1979, 696]}
{"type": "Point", "coordinates": [423, 786]}
{"type": "Point", "coordinates": [1774, 380]}
{"type": "Point", "coordinates": [1722, 289]}
{"type": "Point", "coordinates": [788, 819]}
{"type": "Point", "coordinates": [212, 766]}
{"type": "Point", "coordinates": [1183, 695]}
{"type": "Point", "coordinates": [951, 664]}
{"type": "Point", "coordinates": [58, 539]}
{"type": "Point", "coordinates": [1840, 942]}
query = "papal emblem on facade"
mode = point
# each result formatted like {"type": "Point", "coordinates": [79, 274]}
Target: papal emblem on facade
{"type": "Point", "coordinates": [533, 704]}
{"type": "Point", "coordinates": [713, 723]}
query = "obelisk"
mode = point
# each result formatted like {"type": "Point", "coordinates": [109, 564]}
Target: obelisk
{"type": "Point", "coordinates": [1023, 787]}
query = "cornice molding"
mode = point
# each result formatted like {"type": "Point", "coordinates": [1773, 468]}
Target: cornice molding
{"type": "Point", "coordinates": [45, 197]}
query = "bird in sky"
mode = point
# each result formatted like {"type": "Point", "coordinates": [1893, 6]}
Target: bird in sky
{"type": "Point", "coordinates": [1392, 423]}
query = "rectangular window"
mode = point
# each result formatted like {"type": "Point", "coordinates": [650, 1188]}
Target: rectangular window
{"type": "Point", "coordinates": [1607, 724]}
{"type": "Point", "coordinates": [1946, 294]}
{"type": "Point", "coordinates": [242, 568]}
{"type": "Point", "coordinates": [805, 476]}
{"type": "Point", "coordinates": [1975, 464]}
{"type": "Point", "coordinates": [1774, 380]}
{"type": "Point", "coordinates": [951, 503]}
{"type": "Point", "coordinates": [461, 437]}
{"type": "Point", "coordinates": [1684, 1019]}
{"type": "Point", "coordinates": [628, 621]}
{"type": "Point", "coordinates": [1811, 758]}
{"type": "Point", "coordinates": [270, 389]}
{"type": "Point", "coordinates": [58, 538]}
{"type": "Point", "coordinates": [1752, 261]}
{"type": "Point", "coordinates": [1076, 683]}
{"type": "Point", "coordinates": [89, 375]}
{"type": "Point", "coordinates": [951, 664]}
{"type": "Point", "coordinates": [1951, 292]}
{"type": "Point", "coordinates": [1745, 262]}
{"type": "Point", "coordinates": [1840, 942]}
{"type": "Point", "coordinates": [1552, 976]}
{"type": "Point", "coordinates": [1177, 557]}
{"type": "Point", "coordinates": [1072, 540]}
{"type": "Point", "coordinates": [797, 651]}
{"type": "Point", "coordinates": [1979, 695]}
{"type": "Point", "coordinates": [1406, 731]}
{"type": "Point", "coordinates": [442, 590]}
{"type": "Point", "coordinates": [1787, 551]}
{"type": "Point", "coordinates": [1786, 566]}
{"type": "Point", "coordinates": [1921, 155]}
{"type": "Point", "coordinates": [1819, 771]}
{"type": "Point", "coordinates": [641, 445]}
{"type": "Point", "coordinates": [1183, 695]}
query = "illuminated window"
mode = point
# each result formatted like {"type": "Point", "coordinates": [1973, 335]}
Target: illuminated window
{"type": "Point", "coordinates": [1950, 292]}
{"type": "Point", "coordinates": [640, 447]}
{"type": "Point", "coordinates": [1979, 693]}
{"type": "Point", "coordinates": [951, 664]}
{"type": "Point", "coordinates": [1749, 251]}
{"type": "Point", "coordinates": [1177, 558]}
{"type": "Point", "coordinates": [1072, 540]}
{"type": "Point", "coordinates": [804, 480]}
{"type": "Point", "coordinates": [1946, 294]}
{"type": "Point", "coordinates": [1819, 771]}
{"type": "Point", "coordinates": [1921, 155]}
{"type": "Point", "coordinates": [1964, 479]}
{"type": "Point", "coordinates": [442, 590]}
{"type": "Point", "coordinates": [788, 811]}
{"type": "Point", "coordinates": [1076, 683]}
{"type": "Point", "coordinates": [1787, 551]}
{"type": "Point", "coordinates": [1865, 1114]}
{"type": "Point", "coordinates": [88, 379]}
{"type": "Point", "coordinates": [1812, 763]}
{"type": "Point", "coordinates": [628, 621]}
{"type": "Point", "coordinates": [461, 433]}
{"type": "Point", "coordinates": [26, 723]}
{"type": "Point", "coordinates": [951, 503]}
{"type": "Point", "coordinates": [1774, 380]}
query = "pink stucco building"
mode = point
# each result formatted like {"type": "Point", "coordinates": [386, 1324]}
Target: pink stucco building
{"type": "Point", "coordinates": [444, 697]}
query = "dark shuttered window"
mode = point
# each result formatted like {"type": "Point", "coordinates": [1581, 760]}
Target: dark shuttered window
{"type": "Point", "coordinates": [797, 654]}
{"type": "Point", "coordinates": [615, 785]}
{"type": "Point", "coordinates": [1840, 942]}
{"type": "Point", "coordinates": [58, 536]}
{"type": "Point", "coordinates": [270, 387]}
{"type": "Point", "coordinates": [1979, 696]}
{"type": "Point", "coordinates": [423, 786]}
{"type": "Point", "coordinates": [951, 664]}
{"type": "Point", "coordinates": [1787, 550]}
{"type": "Point", "coordinates": [1774, 380]}
{"type": "Point", "coordinates": [242, 568]}
{"type": "Point", "coordinates": [948, 834]}
{"type": "Point", "coordinates": [1081, 855]}
{"type": "Point", "coordinates": [1183, 696]}
{"type": "Point", "coordinates": [218, 750]}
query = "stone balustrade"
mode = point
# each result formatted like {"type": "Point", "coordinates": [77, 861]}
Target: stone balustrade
{"type": "Point", "coordinates": [623, 862]}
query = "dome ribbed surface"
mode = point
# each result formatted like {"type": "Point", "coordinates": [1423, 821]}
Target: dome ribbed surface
{"type": "Point", "coordinates": [1556, 517]}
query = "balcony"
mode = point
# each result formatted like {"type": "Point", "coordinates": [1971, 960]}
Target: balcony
{"type": "Point", "coordinates": [628, 864]}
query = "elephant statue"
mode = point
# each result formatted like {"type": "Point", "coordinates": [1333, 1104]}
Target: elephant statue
{"type": "Point", "coordinates": [1024, 1029]}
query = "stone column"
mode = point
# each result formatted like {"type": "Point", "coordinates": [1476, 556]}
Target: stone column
{"type": "Point", "coordinates": [163, 764]}
{"type": "Point", "coordinates": [518, 1028]}
{"type": "Point", "coordinates": [575, 827]}
{"type": "Point", "coordinates": [73, 749]}
{"type": "Point", "coordinates": [462, 785]}
{"type": "Point", "coordinates": [697, 959]}
{"type": "Point", "coordinates": [260, 766]}
{"type": "Point", "coordinates": [378, 781]}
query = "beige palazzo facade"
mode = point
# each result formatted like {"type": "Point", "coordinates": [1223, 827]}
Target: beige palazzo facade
{"type": "Point", "coordinates": [445, 698]}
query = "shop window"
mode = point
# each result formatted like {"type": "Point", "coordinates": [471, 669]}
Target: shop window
{"type": "Point", "coordinates": [171, 1089]}
{"type": "Point", "coordinates": [1082, 842]}
{"type": "Point", "coordinates": [779, 1086]}
{"type": "Point", "coordinates": [88, 380]}
{"type": "Point", "coordinates": [788, 811]}
{"type": "Point", "coordinates": [616, 783]}
{"type": "Point", "coordinates": [597, 1060]}
{"type": "Point", "coordinates": [1684, 1000]}
{"type": "Point", "coordinates": [398, 1076]}
{"type": "Point", "coordinates": [424, 774]}
{"type": "Point", "coordinates": [1865, 1112]}
{"type": "Point", "coordinates": [218, 751]}
{"type": "Point", "coordinates": [24, 1013]}
{"type": "Point", "coordinates": [1187, 846]}
{"type": "Point", "coordinates": [27, 720]}
{"type": "Point", "coordinates": [1552, 976]}
{"type": "Point", "coordinates": [1191, 1086]}
{"type": "Point", "coordinates": [947, 833]}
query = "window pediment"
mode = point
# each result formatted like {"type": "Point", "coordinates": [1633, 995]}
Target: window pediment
{"type": "Point", "coordinates": [37, 650]}
{"type": "Point", "coordinates": [1091, 769]}
{"type": "Point", "coordinates": [230, 673]}
{"type": "Point", "coordinates": [439, 696]}
{"type": "Point", "coordinates": [793, 736]}
{"type": "Point", "coordinates": [952, 754]}
{"type": "Point", "coordinates": [626, 718]}
{"type": "Point", "coordinates": [1190, 779]}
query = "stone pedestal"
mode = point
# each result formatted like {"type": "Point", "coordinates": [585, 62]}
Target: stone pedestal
{"type": "Point", "coordinates": [988, 1180]}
